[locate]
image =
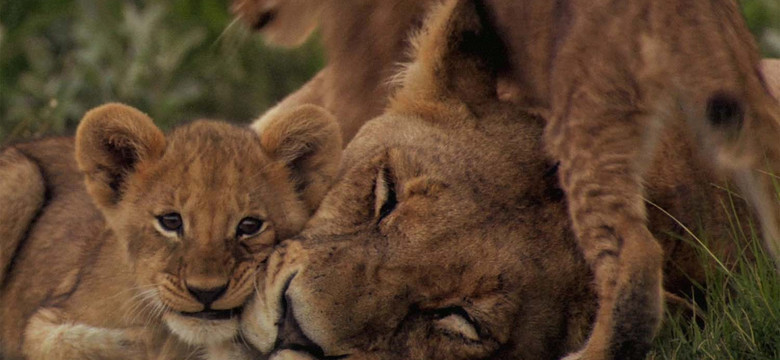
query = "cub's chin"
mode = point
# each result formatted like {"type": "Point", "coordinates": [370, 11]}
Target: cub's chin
{"type": "Point", "coordinates": [205, 327]}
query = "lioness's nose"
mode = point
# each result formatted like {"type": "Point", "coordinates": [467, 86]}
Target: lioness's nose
{"type": "Point", "coordinates": [207, 296]}
{"type": "Point", "coordinates": [290, 335]}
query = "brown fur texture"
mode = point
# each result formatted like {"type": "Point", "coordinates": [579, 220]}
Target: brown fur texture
{"type": "Point", "coordinates": [581, 65]}
{"type": "Point", "coordinates": [771, 70]}
{"type": "Point", "coordinates": [96, 273]}
{"type": "Point", "coordinates": [23, 190]}
{"type": "Point", "coordinates": [609, 77]}
{"type": "Point", "coordinates": [364, 42]}
{"type": "Point", "coordinates": [447, 236]}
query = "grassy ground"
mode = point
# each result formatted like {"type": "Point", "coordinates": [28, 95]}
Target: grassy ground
{"type": "Point", "coordinates": [742, 319]}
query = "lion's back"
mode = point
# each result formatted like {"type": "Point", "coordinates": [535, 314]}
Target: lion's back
{"type": "Point", "coordinates": [48, 248]}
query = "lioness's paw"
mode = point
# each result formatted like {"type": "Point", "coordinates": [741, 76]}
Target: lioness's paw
{"type": "Point", "coordinates": [574, 356]}
{"type": "Point", "coordinates": [291, 355]}
{"type": "Point", "coordinates": [587, 353]}
{"type": "Point", "coordinates": [227, 350]}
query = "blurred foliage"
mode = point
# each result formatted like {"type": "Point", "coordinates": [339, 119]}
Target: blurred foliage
{"type": "Point", "coordinates": [177, 60]}
{"type": "Point", "coordinates": [763, 18]}
{"type": "Point", "coordinates": [174, 59]}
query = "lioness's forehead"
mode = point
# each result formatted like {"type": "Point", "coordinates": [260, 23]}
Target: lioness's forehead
{"type": "Point", "coordinates": [492, 149]}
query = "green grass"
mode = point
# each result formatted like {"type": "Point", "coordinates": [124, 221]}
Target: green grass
{"type": "Point", "coordinates": [742, 319]}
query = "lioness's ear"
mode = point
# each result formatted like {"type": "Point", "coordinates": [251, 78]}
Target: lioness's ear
{"type": "Point", "coordinates": [111, 141]}
{"type": "Point", "coordinates": [457, 54]}
{"type": "Point", "coordinates": [307, 139]}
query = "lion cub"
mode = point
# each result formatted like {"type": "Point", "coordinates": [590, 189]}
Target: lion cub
{"type": "Point", "coordinates": [118, 239]}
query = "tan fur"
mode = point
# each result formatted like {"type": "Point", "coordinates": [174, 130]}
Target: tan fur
{"type": "Point", "coordinates": [95, 274]}
{"type": "Point", "coordinates": [609, 77]}
{"type": "Point", "coordinates": [364, 41]}
{"type": "Point", "coordinates": [446, 235]}
{"type": "Point", "coordinates": [23, 190]}
{"type": "Point", "coordinates": [771, 70]}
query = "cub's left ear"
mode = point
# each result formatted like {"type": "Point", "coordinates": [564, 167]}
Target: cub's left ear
{"type": "Point", "coordinates": [111, 141]}
{"type": "Point", "coordinates": [307, 140]}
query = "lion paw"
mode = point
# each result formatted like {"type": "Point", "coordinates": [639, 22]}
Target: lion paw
{"type": "Point", "coordinates": [574, 356]}
{"type": "Point", "coordinates": [290, 355]}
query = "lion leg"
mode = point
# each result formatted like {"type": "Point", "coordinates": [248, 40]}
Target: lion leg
{"type": "Point", "coordinates": [49, 336]}
{"type": "Point", "coordinates": [288, 354]}
{"type": "Point", "coordinates": [23, 192]}
{"type": "Point", "coordinates": [230, 350]}
{"type": "Point", "coordinates": [758, 179]}
{"type": "Point", "coordinates": [601, 161]}
{"type": "Point", "coordinates": [737, 123]}
{"type": "Point", "coordinates": [291, 355]}
{"type": "Point", "coordinates": [310, 93]}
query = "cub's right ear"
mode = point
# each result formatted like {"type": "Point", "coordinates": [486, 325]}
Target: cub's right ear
{"type": "Point", "coordinates": [111, 141]}
{"type": "Point", "coordinates": [307, 141]}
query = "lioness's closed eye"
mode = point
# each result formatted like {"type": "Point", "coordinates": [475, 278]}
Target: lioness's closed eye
{"type": "Point", "coordinates": [141, 235]}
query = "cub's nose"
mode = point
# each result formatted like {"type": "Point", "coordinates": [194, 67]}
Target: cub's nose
{"type": "Point", "coordinates": [207, 296]}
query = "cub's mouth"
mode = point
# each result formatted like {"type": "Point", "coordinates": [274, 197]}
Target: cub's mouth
{"type": "Point", "coordinates": [211, 314]}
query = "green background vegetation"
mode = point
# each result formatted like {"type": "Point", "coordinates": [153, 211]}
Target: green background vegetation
{"type": "Point", "coordinates": [741, 300]}
{"type": "Point", "coordinates": [184, 59]}
{"type": "Point", "coordinates": [175, 59]}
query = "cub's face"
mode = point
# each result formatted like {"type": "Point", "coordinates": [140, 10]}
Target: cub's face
{"type": "Point", "coordinates": [199, 212]}
{"type": "Point", "coordinates": [200, 221]}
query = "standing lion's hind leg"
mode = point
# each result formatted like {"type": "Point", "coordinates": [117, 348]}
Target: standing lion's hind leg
{"type": "Point", "coordinates": [761, 191]}
{"type": "Point", "coordinates": [22, 193]}
{"type": "Point", "coordinates": [760, 182]}
{"type": "Point", "coordinates": [758, 177]}
{"type": "Point", "coordinates": [744, 137]}
{"type": "Point", "coordinates": [727, 102]}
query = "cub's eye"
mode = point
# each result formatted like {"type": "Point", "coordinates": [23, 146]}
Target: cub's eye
{"type": "Point", "coordinates": [170, 222]}
{"type": "Point", "coordinates": [249, 226]}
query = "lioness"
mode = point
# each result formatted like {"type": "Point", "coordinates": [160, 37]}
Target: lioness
{"type": "Point", "coordinates": [364, 42]}
{"type": "Point", "coordinates": [447, 237]}
{"type": "Point", "coordinates": [606, 76]}
{"type": "Point", "coordinates": [125, 232]}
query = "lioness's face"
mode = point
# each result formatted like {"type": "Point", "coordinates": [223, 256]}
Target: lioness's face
{"type": "Point", "coordinates": [198, 222]}
{"type": "Point", "coordinates": [422, 251]}
{"type": "Point", "coordinates": [281, 22]}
